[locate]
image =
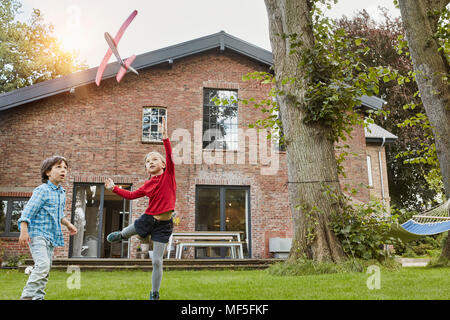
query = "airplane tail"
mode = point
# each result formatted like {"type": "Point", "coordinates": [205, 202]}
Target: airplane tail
{"type": "Point", "coordinates": [123, 70]}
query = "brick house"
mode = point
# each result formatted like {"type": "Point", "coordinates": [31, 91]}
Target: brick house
{"type": "Point", "coordinates": [229, 177]}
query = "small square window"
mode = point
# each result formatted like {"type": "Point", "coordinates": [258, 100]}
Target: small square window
{"type": "Point", "coordinates": [151, 117]}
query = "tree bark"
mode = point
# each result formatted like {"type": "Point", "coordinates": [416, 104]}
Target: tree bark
{"type": "Point", "coordinates": [430, 65]}
{"type": "Point", "coordinates": [310, 155]}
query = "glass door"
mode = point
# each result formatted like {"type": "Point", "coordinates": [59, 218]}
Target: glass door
{"type": "Point", "coordinates": [96, 213]}
{"type": "Point", "coordinates": [87, 213]}
{"type": "Point", "coordinates": [222, 208]}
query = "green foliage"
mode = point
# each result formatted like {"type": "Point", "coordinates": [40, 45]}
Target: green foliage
{"type": "Point", "coordinates": [28, 52]}
{"type": "Point", "coordinates": [412, 157]}
{"type": "Point", "coordinates": [336, 76]}
{"type": "Point", "coordinates": [430, 246]}
{"type": "Point", "coordinates": [334, 79]}
{"type": "Point", "coordinates": [426, 153]}
{"type": "Point", "coordinates": [304, 267]}
{"type": "Point", "coordinates": [361, 228]}
{"type": "Point", "coordinates": [439, 262]}
{"type": "Point", "coordinates": [13, 260]}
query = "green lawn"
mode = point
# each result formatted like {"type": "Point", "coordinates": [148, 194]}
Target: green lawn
{"type": "Point", "coordinates": [408, 283]}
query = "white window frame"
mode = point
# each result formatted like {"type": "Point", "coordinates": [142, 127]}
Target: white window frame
{"type": "Point", "coordinates": [148, 134]}
{"type": "Point", "coordinates": [369, 170]}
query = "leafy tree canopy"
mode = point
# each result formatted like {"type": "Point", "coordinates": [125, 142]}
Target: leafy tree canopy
{"type": "Point", "coordinates": [29, 53]}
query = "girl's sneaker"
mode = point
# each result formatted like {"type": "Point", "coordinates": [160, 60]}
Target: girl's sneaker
{"type": "Point", "coordinates": [154, 295]}
{"type": "Point", "coordinates": [114, 237]}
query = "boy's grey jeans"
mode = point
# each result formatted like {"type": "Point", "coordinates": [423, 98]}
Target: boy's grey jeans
{"type": "Point", "coordinates": [42, 253]}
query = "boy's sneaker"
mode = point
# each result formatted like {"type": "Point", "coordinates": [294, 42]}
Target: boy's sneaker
{"type": "Point", "coordinates": [154, 295]}
{"type": "Point", "coordinates": [114, 237]}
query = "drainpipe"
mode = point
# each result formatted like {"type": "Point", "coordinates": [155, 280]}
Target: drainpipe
{"type": "Point", "coordinates": [381, 169]}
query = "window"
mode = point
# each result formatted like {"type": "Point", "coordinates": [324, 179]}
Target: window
{"type": "Point", "coordinates": [277, 132]}
{"type": "Point", "coordinates": [10, 211]}
{"type": "Point", "coordinates": [369, 170]}
{"type": "Point", "coordinates": [220, 121]}
{"type": "Point", "coordinates": [223, 208]}
{"type": "Point", "coordinates": [96, 212]}
{"type": "Point", "coordinates": [151, 116]}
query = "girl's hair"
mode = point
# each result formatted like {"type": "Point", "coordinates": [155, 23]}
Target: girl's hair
{"type": "Point", "coordinates": [154, 152]}
{"type": "Point", "coordinates": [48, 164]}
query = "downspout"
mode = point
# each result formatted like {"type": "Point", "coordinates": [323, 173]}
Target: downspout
{"type": "Point", "coordinates": [381, 169]}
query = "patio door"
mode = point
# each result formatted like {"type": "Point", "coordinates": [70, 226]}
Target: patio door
{"type": "Point", "coordinates": [223, 208]}
{"type": "Point", "coordinates": [95, 213]}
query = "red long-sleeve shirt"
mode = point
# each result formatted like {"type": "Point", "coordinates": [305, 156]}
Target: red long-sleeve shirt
{"type": "Point", "coordinates": [161, 190]}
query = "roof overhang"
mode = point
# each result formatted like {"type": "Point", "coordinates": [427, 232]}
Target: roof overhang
{"type": "Point", "coordinates": [168, 55]}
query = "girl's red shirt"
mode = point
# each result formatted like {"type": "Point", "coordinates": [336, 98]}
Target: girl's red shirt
{"type": "Point", "coordinates": [161, 190]}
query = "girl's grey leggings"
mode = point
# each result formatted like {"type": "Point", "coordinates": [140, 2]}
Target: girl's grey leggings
{"type": "Point", "coordinates": [157, 259]}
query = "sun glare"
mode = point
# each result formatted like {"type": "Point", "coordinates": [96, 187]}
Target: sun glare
{"type": "Point", "coordinates": [70, 43]}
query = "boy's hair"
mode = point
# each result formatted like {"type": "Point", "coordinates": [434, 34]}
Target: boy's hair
{"type": "Point", "coordinates": [154, 152]}
{"type": "Point", "coordinates": [48, 164]}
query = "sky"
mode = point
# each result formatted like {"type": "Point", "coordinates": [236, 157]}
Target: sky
{"type": "Point", "coordinates": [80, 24]}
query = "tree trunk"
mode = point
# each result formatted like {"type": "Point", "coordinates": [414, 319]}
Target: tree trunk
{"type": "Point", "coordinates": [311, 160]}
{"type": "Point", "coordinates": [430, 66]}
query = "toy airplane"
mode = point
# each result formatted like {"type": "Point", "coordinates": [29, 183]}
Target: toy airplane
{"type": "Point", "coordinates": [112, 43]}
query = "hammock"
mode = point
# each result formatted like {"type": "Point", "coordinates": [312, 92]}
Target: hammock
{"type": "Point", "coordinates": [431, 222]}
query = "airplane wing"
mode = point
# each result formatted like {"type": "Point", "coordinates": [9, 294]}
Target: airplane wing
{"type": "Point", "coordinates": [103, 64]}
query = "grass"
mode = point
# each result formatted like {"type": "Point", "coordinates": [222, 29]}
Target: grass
{"type": "Point", "coordinates": [407, 283]}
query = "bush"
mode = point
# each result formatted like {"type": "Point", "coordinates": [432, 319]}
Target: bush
{"type": "Point", "coordinates": [426, 246]}
{"type": "Point", "coordinates": [362, 228]}
{"type": "Point", "coordinates": [13, 260]}
{"type": "Point", "coordinates": [303, 267]}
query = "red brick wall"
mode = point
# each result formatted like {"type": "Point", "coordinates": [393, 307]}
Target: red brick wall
{"type": "Point", "coordinates": [98, 129]}
{"type": "Point", "coordinates": [355, 164]}
{"type": "Point", "coordinates": [375, 190]}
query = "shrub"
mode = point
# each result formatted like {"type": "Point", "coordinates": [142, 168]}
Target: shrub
{"type": "Point", "coordinates": [303, 267]}
{"type": "Point", "coordinates": [13, 260]}
{"type": "Point", "coordinates": [361, 228]}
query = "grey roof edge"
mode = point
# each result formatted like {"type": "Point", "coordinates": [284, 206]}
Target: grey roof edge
{"type": "Point", "coordinates": [380, 140]}
{"type": "Point", "coordinates": [62, 84]}
{"type": "Point", "coordinates": [372, 102]}
{"type": "Point", "coordinates": [376, 134]}
{"type": "Point", "coordinates": [220, 40]}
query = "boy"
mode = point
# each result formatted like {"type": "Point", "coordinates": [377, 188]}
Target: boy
{"type": "Point", "coordinates": [40, 224]}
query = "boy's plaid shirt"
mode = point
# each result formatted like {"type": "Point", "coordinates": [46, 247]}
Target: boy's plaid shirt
{"type": "Point", "coordinates": [44, 212]}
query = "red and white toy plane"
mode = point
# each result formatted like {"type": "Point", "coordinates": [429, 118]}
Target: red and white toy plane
{"type": "Point", "coordinates": [112, 43]}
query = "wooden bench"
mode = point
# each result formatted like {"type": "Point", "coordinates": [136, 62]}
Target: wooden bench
{"type": "Point", "coordinates": [182, 240]}
{"type": "Point", "coordinates": [223, 244]}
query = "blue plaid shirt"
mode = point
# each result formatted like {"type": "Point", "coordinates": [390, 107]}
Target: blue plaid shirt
{"type": "Point", "coordinates": [44, 212]}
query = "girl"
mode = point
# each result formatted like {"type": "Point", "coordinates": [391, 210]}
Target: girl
{"type": "Point", "coordinates": [157, 219]}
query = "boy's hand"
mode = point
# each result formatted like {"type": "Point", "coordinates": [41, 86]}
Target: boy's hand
{"type": "Point", "coordinates": [109, 184]}
{"type": "Point", "coordinates": [24, 238]}
{"type": "Point", "coordinates": [72, 229]}
{"type": "Point", "coordinates": [163, 128]}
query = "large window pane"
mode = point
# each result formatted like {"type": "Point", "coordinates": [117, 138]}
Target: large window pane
{"type": "Point", "coordinates": [208, 210]}
{"type": "Point", "coordinates": [10, 212]}
{"type": "Point", "coordinates": [220, 111]}
{"type": "Point", "coordinates": [235, 212]}
{"type": "Point", "coordinates": [3, 211]}
{"type": "Point", "coordinates": [87, 220]}
{"type": "Point", "coordinates": [222, 208]}
{"type": "Point", "coordinates": [16, 211]}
